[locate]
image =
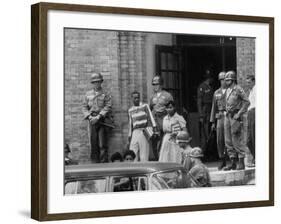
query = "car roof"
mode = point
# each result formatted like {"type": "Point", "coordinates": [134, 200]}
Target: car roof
{"type": "Point", "coordinates": [116, 169]}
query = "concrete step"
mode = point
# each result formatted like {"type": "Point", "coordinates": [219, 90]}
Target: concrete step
{"type": "Point", "coordinates": [232, 177]}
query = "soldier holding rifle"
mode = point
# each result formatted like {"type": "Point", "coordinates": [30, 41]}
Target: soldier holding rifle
{"type": "Point", "coordinates": [204, 105]}
{"type": "Point", "coordinates": [158, 103]}
{"type": "Point", "coordinates": [237, 104]}
{"type": "Point", "coordinates": [97, 106]}
{"type": "Point", "coordinates": [217, 118]}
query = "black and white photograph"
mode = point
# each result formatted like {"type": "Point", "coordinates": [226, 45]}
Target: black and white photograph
{"type": "Point", "coordinates": [149, 111]}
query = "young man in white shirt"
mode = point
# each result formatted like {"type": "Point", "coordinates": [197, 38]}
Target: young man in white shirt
{"type": "Point", "coordinates": [251, 115]}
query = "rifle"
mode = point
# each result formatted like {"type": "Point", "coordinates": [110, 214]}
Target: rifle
{"type": "Point", "coordinates": [107, 124]}
{"type": "Point", "coordinates": [208, 148]}
{"type": "Point", "coordinates": [202, 134]}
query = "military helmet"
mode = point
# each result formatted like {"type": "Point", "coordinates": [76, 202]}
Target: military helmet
{"type": "Point", "coordinates": [157, 80]}
{"type": "Point", "coordinates": [221, 75]}
{"type": "Point", "coordinates": [66, 148]}
{"type": "Point", "coordinates": [183, 136]}
{"type": "Point", "coordinates": [208, 73]}
{"type": "Point", "coordinates": [96, 77]}
{"type": "Point", "coordinates": [196, 152]}
{"type": "Point", "coordinates": [231, 75]}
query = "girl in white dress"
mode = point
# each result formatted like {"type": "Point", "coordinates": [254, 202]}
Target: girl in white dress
{"type": "Point", "coordinates": [172, 124]}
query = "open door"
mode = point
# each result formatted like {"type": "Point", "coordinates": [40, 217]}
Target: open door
{"type": "Point", "coordinates": [198, 54]}
{"type": "Point", "coordinates": [182, 68]}
{"type": "Point", "coordinates": [169, 67]}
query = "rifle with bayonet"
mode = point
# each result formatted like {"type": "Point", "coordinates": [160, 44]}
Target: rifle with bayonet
{"type": "Point", "coordinates": [107, 121]}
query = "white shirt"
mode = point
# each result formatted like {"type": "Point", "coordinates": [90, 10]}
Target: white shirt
{"type": "Point", "coordinates": [252, 98]}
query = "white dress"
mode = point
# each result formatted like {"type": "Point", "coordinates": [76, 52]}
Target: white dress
{"type": "Point", "coordinates": [170, 151]}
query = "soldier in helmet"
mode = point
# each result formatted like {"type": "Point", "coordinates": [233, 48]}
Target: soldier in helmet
{"type": "Point", "coordinates": [205, 93]}
{"type": "Point", "coordinates": [183, 140]}
{"type": "Point", "coordinates": [237, 104]}
{"type": "Point", "coordinates": [158, 103]}
{"type": "Point", "coordinates": [97, 106]}
{"type": "Point", "coordinates": [199, 173]}
{"type": "Point", "coordinates": [217, 118]}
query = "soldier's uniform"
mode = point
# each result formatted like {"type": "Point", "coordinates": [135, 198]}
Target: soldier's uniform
{"type": "Point", "coordinates": [98, 103]}
{"type": "Point", "coordinates": [158, 104]}
{"type": "Point", "coordinates": [199, 173]}
{"type": "Point", "coordinates": [183, 141]}
{"type": "Point", "coordinates": [218, 116]}
{"type": "Point", "coordinates": [205, 94]}
{"type": "Point", "coordinates": [140, 117]}
{"type": "Point", "coordinates": [236, 102]}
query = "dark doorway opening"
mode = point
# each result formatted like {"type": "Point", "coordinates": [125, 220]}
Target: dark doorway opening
{"type": "Point", "coordinates": [189, 58]}
{"type": "Point", "coordinates": [198, 54]}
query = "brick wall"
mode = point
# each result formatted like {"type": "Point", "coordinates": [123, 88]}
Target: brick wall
{"type": "Point", "coordinates": [245, 52]}
{"type": "Point", "coordinates": [120, 57]}
{"type": "Point", "coordinates": [86, 52]}
{"type": "Point", "coordinates": [132, 76]}
{"type": "Point", "coordinates": [127, 62]}
{"type": "Point", "coordinates": [153, 39]}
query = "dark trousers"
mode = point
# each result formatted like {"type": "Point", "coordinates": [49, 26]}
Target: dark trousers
{"type": "Point", "coordinates": [98, 143]}
{"type": "Point", "coordinates": [220, 137]}
{"type": "Point", "coordinates": [156, 142]}
{"type": "Point", "coordinates": [234, 140]}
{"type": "Point", "coordinates": [205, 126]}
{"type": "Point", "coordinates": [251, 131]}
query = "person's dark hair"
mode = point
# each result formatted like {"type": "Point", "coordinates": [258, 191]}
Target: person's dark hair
{"type": "Point", "coordinates": [129, 152]}
{"type": "Point", "coordinates": [135, 92]}
{"type": "Point", "coordinates": [251, 77]}
{"type": "Point", "coordinates": [171, 102]}
{"type": "Point", "coordinates": [116, 156]}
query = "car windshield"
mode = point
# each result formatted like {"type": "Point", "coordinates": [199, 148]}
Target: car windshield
{"type": "Point", "coordinates": [170, 180]}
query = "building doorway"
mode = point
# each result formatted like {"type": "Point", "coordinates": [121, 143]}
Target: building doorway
{"type": "Point", "coordinates": [183, 65]}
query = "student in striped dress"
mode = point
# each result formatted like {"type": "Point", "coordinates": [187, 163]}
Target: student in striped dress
{"type": "Point", "coordinates": [172, 124]}
{"type": "Point", "coordinates": [140, 117]}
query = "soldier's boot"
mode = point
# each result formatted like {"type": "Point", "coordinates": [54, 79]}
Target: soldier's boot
{"type": "Point", "coordinates": [241, 164]}
{"type": "Point", "coordinates": [103, 155]}
{"type": "Point", "coordinates": [222, 164]}
{"type": "Point", "coordinates": [232, 165]}
{"type": "Point", "coordinates": [95, 157]}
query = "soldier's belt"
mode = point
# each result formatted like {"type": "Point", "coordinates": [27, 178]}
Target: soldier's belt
{"type": "Point", "coordinates": [92, 113]}
{"type": "Point", "coordinates": [232, 112]}
{"type": "Point", "coordinates": [102, 121]}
